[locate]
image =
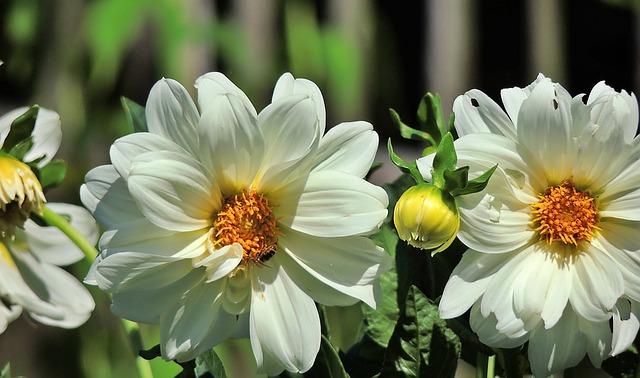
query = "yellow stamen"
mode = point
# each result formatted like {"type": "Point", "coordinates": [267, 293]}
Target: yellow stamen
{"type": "Point", "coordinates": [246, 218]}
{"type": "Point", "coordinates": [565, 214]}
{"type": "Point", "coordinates": [20, 194]}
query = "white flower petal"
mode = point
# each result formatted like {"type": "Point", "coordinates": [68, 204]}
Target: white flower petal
{"type": "Point", "coordinates": [619, 108]}
{"type": "Point", "coordinates": [106, 196]}
{"type": "Point", "coordinates": [477, 113]}
{"type": "Point", "coordinates": [222, 261]}
{"type": "Point", "coordinates": [173, 191]}
{"type": "Point", "coordinates": [620, 239]}
{"type": "Point", "coordinates": [626, 323]}
{"type": "Point", "coordinates": [333, 204]}
{"type": "Point", "coordinates": [49, 244]}
{"type": "Point", "coordinates": [284, 323]}
{"type": "Point", "coordinates": [498, 298]}
{"type": "Point", "coordinates": [348, 147]}
{"type": "Point", "coordinates": [360, 263]}
{"type": "Point", "coordinates": [8, 314]}
{"type": "Point", "coordinates": [214, 84]}
{"type": "Point", "coordinates": [287, 86]}
{"type": "Point", "coordinates": [13, 284]}
{"type": "Point", "coordinates": [170, 112]}
{"type": "Point", "coordinates": [47, 136]}
{"type": "Point", "coordinates": [145, 237]}
{"type": "Point", "coordinates": [56, 287]}
{"type": "Point", "coordinates": [290, 128]}
{"type": "Point", "coordinates": [485, 328]}
{"type": "Point", "coordinates": [147, 305]}
{"type": "Point", "coordinates": [319, 288]}
{"type": "Point", "coordinates": [468, 282]}
{"type": "Point", "coordinates": [553, 350]}
{"type": "Point", "coordinates": [129, 147]}
{"type": "Point", "coordinates": [231, 144]}
{"type": "Point", "coordinates": [542, 289]}
{"type": "Point", "coordinates": [195, 323]}
{"type": "Point", "coordinates": [128, 271]}
{"type": "Point", "coordinates": [598, 336]}
{"type": "Point", "coordinates": [597, 284]}
{"type": "Point", "coordinates": [544, 128]}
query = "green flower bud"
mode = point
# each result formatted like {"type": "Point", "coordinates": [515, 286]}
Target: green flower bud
{"type": "Point", "coordinates": [427, 217]}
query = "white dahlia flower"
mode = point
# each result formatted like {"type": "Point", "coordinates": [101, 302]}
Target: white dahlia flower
{"type": "Point", "coordinates": [30, 255]}
{"type": "Point", "coordinates": [222, 222]}
{"type": "Point", "coordinates": [554, 254]}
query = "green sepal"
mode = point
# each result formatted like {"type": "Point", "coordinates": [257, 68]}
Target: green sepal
{"type": "Point", "coordinates": [409, 168]}
{"type": "Point", "coordinates": [409, 132]}
{"type": "Point", "coordinates": [208, 364]}
{"type": "Point", "coordinates": [421, 344]}
{"type": "Point", "coordinates": [430, 116]}
{"type": "Point", "coordinates": [135, 115]}
{"type": "Point", "coordinates": [477, 184]}
{"type": "Point", "coordinates": [20, 150]}
{"type": "Point", "coordinates": [445, 159]}
{"type": "Point", "coordinates": [21, 128]}
{"type": "Point", "coordinates": [52, 174]}
{"type": "Point", "coordinates": [456, 179]}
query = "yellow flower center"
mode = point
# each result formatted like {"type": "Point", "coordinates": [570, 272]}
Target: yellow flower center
{"type": "Point", "coordinates": [247, 218]}
{"type": "Point", "coordinates": [20, 194]}
{"type": "Point", "coordinates": [565, 214]}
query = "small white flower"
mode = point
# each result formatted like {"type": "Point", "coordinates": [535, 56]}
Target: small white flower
{"type": "Point", "coordinates": [30, 255]}
{"type": "Point", "coordinates": [554, 253]}
{"type": "Point", "coordinates": [223, 222]}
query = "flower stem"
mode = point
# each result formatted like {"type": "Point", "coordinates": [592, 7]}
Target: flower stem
{"type": "Point", "coordinates": [56, 220]}
{"type": "Point", "coordinates": [133, 331]}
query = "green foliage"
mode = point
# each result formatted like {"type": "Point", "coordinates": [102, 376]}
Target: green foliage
{"type": "Point", "coordinates": [6, 371]}
{"type": "Point", "coordinates": [209, 363]}
{"type": "Point", "coordinates": [327, 364]}
{"type": "Point", "coordinates": [52, 174]}
{"type": "Point", "coordinates": [21, 130]}
{"type": "Point", "coordinates": [421, 344]}
{"type": "Point", "coordinates": [409, 168]}
{"type": "Point", "coordinates": [135, 115]}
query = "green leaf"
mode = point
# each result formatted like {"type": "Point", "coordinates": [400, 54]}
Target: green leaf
{"type": "Point", "coordinates": [430, 116]}
{"type": "Point", "coordinates": [421, 344]}
{"type": "Point", "coordinates": [409, 132]}
{"type": "Point", "coordinates": [410, 168]}
{"type": "Point", "coordinates": [6, 371]}
{"type": "Point", "coordinates": [477, 184]}
{"type": "Point", "coordinates": [135, 115]}
{"type": "Point", "coordinates": [52, 174]}
{"type": "Point", "coordinates": [327, 363]}
{"type": "Point", "coordinates": [445, 159]}
{"type": "Point", "coordinates": [21, 128]}
{"type": "Point", "coordinates": [456, 180]}
{"type": "Point", "coordinates": [209, 363]}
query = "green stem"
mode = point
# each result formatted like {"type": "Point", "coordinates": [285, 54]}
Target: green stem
{"type": "Point", "coordinates": [133, 331]}
{"type": "Point", "coordinates": [60, 222]}
{"type": "Point", "coordinates": [491, 366]}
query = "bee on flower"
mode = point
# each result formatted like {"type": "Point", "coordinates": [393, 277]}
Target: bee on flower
{"type": "Point", "coordinates": [224, 222]}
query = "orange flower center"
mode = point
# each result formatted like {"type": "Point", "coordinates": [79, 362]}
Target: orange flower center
{"type": "Point", "coordinates": [246, 218]}
{"type": "Point", "coordinates": [565, 214]}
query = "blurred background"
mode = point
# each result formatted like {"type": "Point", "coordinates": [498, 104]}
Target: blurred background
{"type": "Point", "coordinates": [79, 57]}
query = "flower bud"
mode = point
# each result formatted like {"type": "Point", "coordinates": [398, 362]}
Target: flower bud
{"type": "Point", "coordinates": [427, 217]}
